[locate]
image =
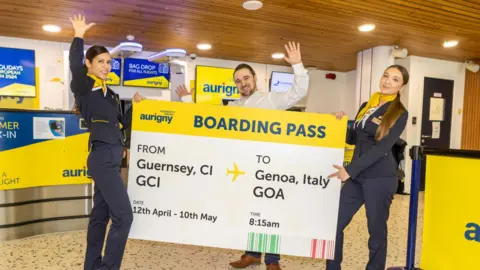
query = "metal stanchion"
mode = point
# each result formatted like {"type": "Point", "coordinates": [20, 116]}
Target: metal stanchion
{"type": "Point", "coordinates": [416, 154]}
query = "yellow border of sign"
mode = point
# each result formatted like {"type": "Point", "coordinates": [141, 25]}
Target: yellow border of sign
{"type": "Point", "coordinates": [239, 123]}
{"type": "Point", "coordinates": [451, 203]}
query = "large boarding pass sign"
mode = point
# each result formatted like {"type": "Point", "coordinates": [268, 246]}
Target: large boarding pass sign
{"type": "Point", "coordinates": [236, 178]}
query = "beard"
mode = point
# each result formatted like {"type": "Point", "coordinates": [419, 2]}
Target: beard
{"type": "Point", "coordinates": [249, 92]}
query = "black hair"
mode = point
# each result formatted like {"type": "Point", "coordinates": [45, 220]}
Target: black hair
{"type": "Point", "coordinates": [242, 66]}
{"type": "Point", "coordinates": [93, 51]}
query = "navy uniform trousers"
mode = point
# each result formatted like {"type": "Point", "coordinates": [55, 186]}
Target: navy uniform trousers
{"type": "Point", "coordinates": [110, 201]}
{"type": "Point", "coordinates": [377, 195]}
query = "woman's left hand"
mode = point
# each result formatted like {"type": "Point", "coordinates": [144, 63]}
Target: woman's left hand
{"type": "Point", "coordinates": [137, 97]}
{"type": "Point", "coordinates": [342, 174]}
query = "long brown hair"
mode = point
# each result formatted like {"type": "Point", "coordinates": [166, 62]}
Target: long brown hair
{"type": "Point", "coordinates": [76, 108]}
{"type": "Point", "coordinates": [394, 110]}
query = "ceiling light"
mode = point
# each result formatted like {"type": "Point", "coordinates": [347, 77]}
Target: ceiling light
{"type": "Point", "coordinates": [252, 5]}
{"type": "Point", "coordinates": [278, 55]}
{"type": "Point", "coordinates": [51, 28]}
{"type": "Point", "coordinates": [450, 43]}
{"type": "Point", "coordinates": [204, 46]}
{"type": "Point", "coordinates": [366, 27]}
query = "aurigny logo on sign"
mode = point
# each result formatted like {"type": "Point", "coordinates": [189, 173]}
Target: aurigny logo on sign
{"type": "Point", "coordinates": [220, 88]}
{"type": "Point", "coordinates": [473, 232]}
{"type": "Point", "coordinates": [75, 172]}
{"type": "Point", "coordinates": [19, 99]}
{"type": "Point", "coordinates": [155, 83]}
{"type": "Point", "coordinates": [162, 117]}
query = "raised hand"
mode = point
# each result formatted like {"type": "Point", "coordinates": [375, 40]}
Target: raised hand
{"type": "Point", "coordinates": [340, 115]}
{"type": "Point", "coordinates": [182, 91]}
{"type": "Point", "coordinates": [137, 97]}
{"type": "Point", "coordinates": [293, 53]}
{"type": "Point", "coordinates": [80, 26]}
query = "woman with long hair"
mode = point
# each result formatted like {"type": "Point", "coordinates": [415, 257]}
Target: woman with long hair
{"type": "Point", "coordinates": [99, 106]}
{"type": "Point", "coordinates": [371, 177]}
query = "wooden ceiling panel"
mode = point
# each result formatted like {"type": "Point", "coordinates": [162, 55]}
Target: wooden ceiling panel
{"type": "Point", "coordinates": [327, 29]}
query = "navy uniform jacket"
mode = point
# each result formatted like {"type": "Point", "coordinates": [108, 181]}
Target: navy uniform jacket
{"type": "Point", "coordinates": [373, 158]}
{"type": "Point", "coordinates": [101, 112]}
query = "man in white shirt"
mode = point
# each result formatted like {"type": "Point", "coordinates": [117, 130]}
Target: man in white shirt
{"type": "Point", "coordinates": [245, 80]}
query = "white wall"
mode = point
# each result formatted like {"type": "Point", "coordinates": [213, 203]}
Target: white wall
{"type": "Point", "coordinates": [49, 61]}
{"type": "Point", "coordinates": [420, 67]}
{"type": "Point", "coordinates": [324, 95]}
{"type": "Point", "coordinates": [371, 64]}
{"type": "Point", "coordinates": [329, 96]}
{"type": "Point", "coordinates": [125, 92]}
{"type": "Point", "coordinates": [51, 58]}
{"type": "Point", "coordinates": [349, 97]}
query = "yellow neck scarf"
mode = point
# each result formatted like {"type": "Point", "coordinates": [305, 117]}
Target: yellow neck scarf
{"type": "Point", "coordinates": [99, 83]}
{"type": "Point", "coordinates": [373, 102]}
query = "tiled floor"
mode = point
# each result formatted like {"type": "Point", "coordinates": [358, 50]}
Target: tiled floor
{"type": "Point", "coordinates": [66, 250]}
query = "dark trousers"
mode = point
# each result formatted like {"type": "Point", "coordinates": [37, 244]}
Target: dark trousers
{"type": "Point", "coordinates": [269, 258]}
{"type": "Point", "coordinates": [110, 201]}
{"type": "Point", "coordinates": [377, 195]}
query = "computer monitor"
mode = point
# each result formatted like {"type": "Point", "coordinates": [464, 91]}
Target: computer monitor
{"type": "Point", "coordinates": [281, 81]}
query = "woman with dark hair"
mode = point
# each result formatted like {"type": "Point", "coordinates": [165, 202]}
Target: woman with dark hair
{"type": "Point", "coordinates": [99, 106]}
{"type": "Point", "coordinates": [371, 177]}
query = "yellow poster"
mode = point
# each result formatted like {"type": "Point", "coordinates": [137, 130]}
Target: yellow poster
{"type": "Point", "coordinates": [213, 84]}
{"type": "Point", "coordinates": [31, 103]}
{"type": "Point", "coordinates": [451, 230]}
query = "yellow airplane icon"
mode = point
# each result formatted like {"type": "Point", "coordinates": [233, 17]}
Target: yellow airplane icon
{"type": "Point", "coordinates": [235, 172]}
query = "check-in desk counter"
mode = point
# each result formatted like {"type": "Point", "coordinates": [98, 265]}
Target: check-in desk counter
{"type": "Point", "coordinates": [44, 184]}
